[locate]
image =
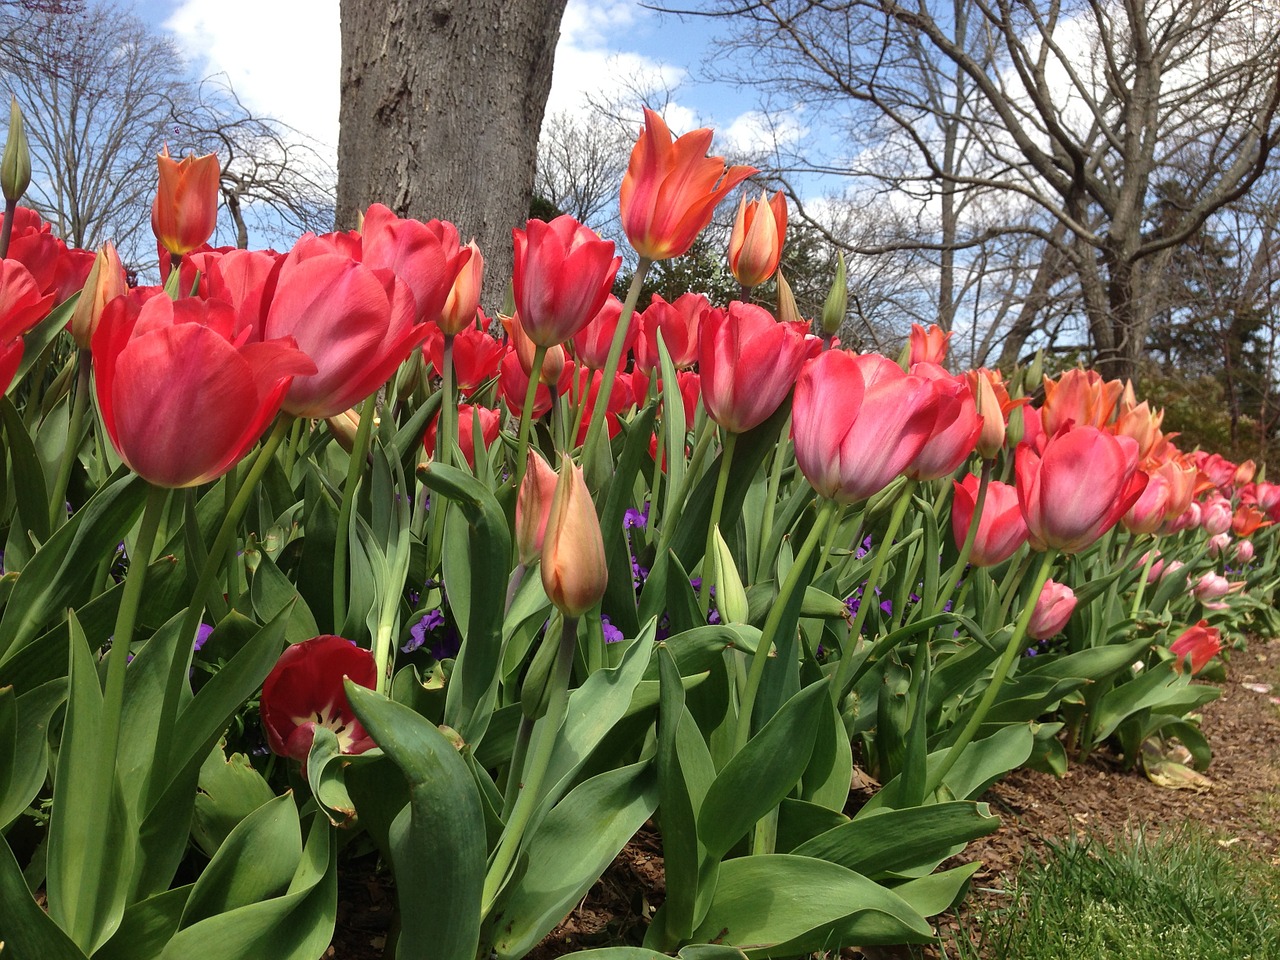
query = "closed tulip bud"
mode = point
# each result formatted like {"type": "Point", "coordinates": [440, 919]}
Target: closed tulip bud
{"type": "Point", "coordinates": [533, 506]}
{"type": "Point", "coordinates": [1211, 586]}
{"type": "Point", "coordinates": [15, 165]}
{"type": "Point", "coordinates": [553, 360]}
{"type": "Point", "coordinates": [1242, 552]}
{"type": "Point", "coordinates": [755, 246]}
{"type": "Point", "coordinates": [460, 306]}
{"type": "Point", "coordinates": [837, 303]}
{"type": "Point", "coordinates": [344, 427]}
{"type": "Point", "coordinates": [1197, 645]}
{"type": "Point", "coordinates": [185, 210]}
{"type": "Point", "coordinates": [1053, 609]}
{"type": "Point", "coordinates": [106, 282]}
{"type": "Point", "coordinates": [1215, 516]}
{"type": "Point", "coordinates": [574, 574]}
{"type": "Point", "coordinates": [1001, 529]}
{"type": "Point", "coordinates": [1217, 543]}
{"type": "Point", "coordinates": [788, 311]}
{"type": "Point", "coordinates": [731, 598]}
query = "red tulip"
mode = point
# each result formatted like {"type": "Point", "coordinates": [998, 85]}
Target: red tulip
{"type": "Point", "coordinates": [1079, 488]}
{"type": "Point", "coordinates": [1001, 529]}
{"type": "Point", "coordinates": [858, 422]}
{"type": "Point", "coordinates": [22, 306]}
{"type": "Point", "coordinates": [574, 572]}
{"type": "Point", "coordinates": [490, 427]}
{"type": "Point", "coordinates": [1053, 609]}
{"type": "Point", "coordinates": [620, 400]}
{"type": "Point", "coordinates": [183, 397]}
{"type": "Point", "coordinates": [428, 257]}
{"type": "Point", "coordinates": [755, 246]}
{"type": "Point", "coordinates": [513, 382]}
{"type": "Point", "coordinates": [1247, 520]}
{"type": "Point", "coordinates": [244, 278]}
{"type": "Point", "coordinates": [956, 429]}
{"type": "Point", "coordinates": [1196, 645]}
{"type": "Point", "coordinates": [591, 344]}
{"type": "Point", "coordinates": [185, 210]}
{"type": "Point", "coordinates": [476, 356]}
{"type": "Point", "coordinates": [354, 322]}
{"type": "Point", "coordinates": [562, 277]}
{"type": "Point", "coordinates": [680, 323]}
{"type": "Point", "coordinates": [304, 691]}
{"type": "Point", "coordinates": [748, 363]}
{"type": "Point", "coordinates": [671, 188]}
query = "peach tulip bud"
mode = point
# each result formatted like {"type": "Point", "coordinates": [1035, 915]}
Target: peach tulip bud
{"type": "Point", "coordinates": [533, 505]}
{"type": "Point", "coordinates": [1053, 609]}
{"type": "Point", "coordinates": [106, 282]}
{"type": "Point", "coordinates": [463, 301]}
{"type": "Point", "coordinates": [1196, 645]}
{"type": "Point", "coordinates": [755, 246]}
{"type": "Point", "coordinates": [573, 563]}
{"type": "Point", "coordinates": [344, 427]}
{"type": "Point", "coordinates": [185, 209]}
{"type": "Point", "coordinates": [553, 360]}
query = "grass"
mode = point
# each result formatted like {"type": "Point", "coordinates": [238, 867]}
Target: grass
{"type": "Point", "coordinates": [1182, 896]}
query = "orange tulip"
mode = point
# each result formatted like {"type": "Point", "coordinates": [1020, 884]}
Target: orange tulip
{"type": "Point", "coordinates": [928, 346]}
{"type": "Point", "coordinates": [1081, 396]}
{"type": "Point", "coordinates": [1197, 645]}
{"type": "Point", "coordinates": [671, 188]}
{"type": "Point", "coordinates": [185, 210]}
{"type": "Point", "coordinates": [460, 306]}
{"type": "Point", "coordinates": [755, 246]}
{"type": "Point", "coordinates": [573, 564]}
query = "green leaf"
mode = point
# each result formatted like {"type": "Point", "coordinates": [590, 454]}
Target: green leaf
{"type": "Point", "coordinates": [830, 770]}
{"type": "Point", "coordinates": [325, 769]}
{"type": "Point", "coordinates": [92, 842]}
{"type": "Point", "coordinates": [30, 492]}
{"type": "Point", "coordinates": [762, 772]}
{"type": "Point", "coordinates": [147, 927]}
{"type": "Point", "coordinates": [620, 597]}
{"type": "Point", "coordinates": [27, 932]}
{"type": "Point", "coordinates": [270, 592]}
{"type": "Point", "coordinates": [937, 892]}
{"type": "Point", "coordinates": [896, 840]}
{"type": "Point", "coordinates": [980, 764]}
{"type": "Point", "coordinates": [230, 790]}
{"type": "Point", "coordinates": [39, 337]}
{"type": "Point", "coordinates": [564, 859]}
{"type": "Point", "coordinates": [24, 747]}
{"type": "Point", "coordinates": [438, 844]}
{"type": "Point", "coordinates": [784, 905]}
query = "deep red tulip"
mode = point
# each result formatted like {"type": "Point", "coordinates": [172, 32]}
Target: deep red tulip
{"type": "Point", "coordinates": [1079, 488]}
{"type": "Point", "coordinates": [304, 690]}
{"type": "Point", "coordinates": [1196, 645]}
{"type": "Point", "coordinates": [748, 362]}
{"type": "Point", "coordinates": [1001, 529]}
{"type": "Point", "coordinates": [183, 397]}
{"type": "Point", "coordinates": [428, 257]}
{"type": "Point", "coordinates": [185, 210]}
{"type": "Point", "coordinates": [671, 189]}
{"type": "Point", "coordinates": [562, 277]}
{"type": "Point", "coordinates": [858, 422]}
{"type": "Point", "coordinates": [755, 245]}
{"type": "Point", "coordinates": [1053, 609]}
{"type": "Point", "coordinates": [357, 324]}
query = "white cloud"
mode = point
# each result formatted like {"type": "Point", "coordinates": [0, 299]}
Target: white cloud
{"type": "Point", "coordinates": [754, 132]}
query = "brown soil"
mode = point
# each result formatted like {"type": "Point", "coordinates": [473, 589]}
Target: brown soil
{"type": "Point", "coordinates": [1240, 803]}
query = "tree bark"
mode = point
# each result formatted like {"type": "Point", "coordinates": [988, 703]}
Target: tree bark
{"type": "Point", "coordinates": [441, 106]}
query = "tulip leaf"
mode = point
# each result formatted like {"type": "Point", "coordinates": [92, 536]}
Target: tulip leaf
{"type": "Point", "coordinates": [438, 841]}
{"type": "Point", "coordinates": [830, 770]}
{"type": "Point", "coordinates": [30, 491]}
{"type": "Point", "coordinates": [801, 820]}
{"type": "Point", "coordinates": [762, 772]}
{"type": "Point", "coordinates": [408, 438]}
{"type": "Point", "coordinates": [147, 927]}
{"type": "Point", "coordinates": [674, 432]}
{"type": "Point", "coordinates": [39, 337]}
{"type": "Point", "coordinates": [24, 745]}
{"type": "Point", "coordinates": [91, 836]}
{"type": "Point", "coordinates": [62, 572]}
{"type": "Point", "coordinates": [27, 932]}
{"type": "Point", "coordinates": [892, 841]}
{"type": "Point", "coordinates": [699, 649]}
{"type": "Point", "coordinates": [564, 859]}
{"type": "Point", "coordinates": [229, 790]}
{"type": "Point", "coordinates": [619, 596]}
{"type": "Point", "coordinates": [786, 905]}
{"type": "Point", "coordinates": [324, 769]}
{"type": "Point", "coordinates": [270, 592]}
{"type": "Point", "coordinates": [932, 894]}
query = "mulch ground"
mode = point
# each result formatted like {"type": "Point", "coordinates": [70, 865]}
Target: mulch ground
{"type": "Point", "coordinates": [1239, 803]}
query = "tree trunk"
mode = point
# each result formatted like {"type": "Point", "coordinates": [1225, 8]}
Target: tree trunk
{"type": "Point", "coordinates": [442, 103]}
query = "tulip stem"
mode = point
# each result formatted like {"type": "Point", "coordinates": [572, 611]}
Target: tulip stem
{"type": "Point", "coordinates": [160, 766]}
{"type": "Point", "coordinates": [601, 406]}
{"type": "Point", "coordinates": [526, 412]}
{"type": "Point", "coordinates": [579, 411]}
{"type": "Point", "coordinates": [966, 549]}
{"type": "Point", "coordinates": [770, 502]}
{"type": "Point", "coordinates": [557, 421]}
{"type": "Point", "coordinates": [542, 744]}
{"type": "Point", "coordinates": [1003, 667]}
{"type": "Point", "coordinates": [717, 506]}
{"type": "Point", "coordinates": [6, 231]}
{"type": "Point", "coordinates": [852, 666]}
{"type": "Point", "coordinates": [341, 539]}
{"type": "Point", "coordinates": [774, 621]}
{"type": "Point", "coordinates": [79, 403]}
{"type": "Point", "coordinates": [1142, 581]}
{"type": "Point", "coordinates": [447, 435]}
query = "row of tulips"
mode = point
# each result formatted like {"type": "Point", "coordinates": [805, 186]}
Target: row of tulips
{"type": "Point", "coordinates": [296, 549]}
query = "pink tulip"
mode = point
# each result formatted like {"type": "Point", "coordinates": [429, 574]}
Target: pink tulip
{"type": "Point", "coordinates": [428, 258]}
{"type": "Point", "coordinates": [1079, 488]}
{"type": "Point", "coordinates": [1211, 586]}
{"type": "Point", "coordinates": [1148, 511]}
{"type": "Point", "coordinates": [1217, 543]}
{"type": "Point", "coordinates": [956, 431]}
{"type": "Point", "coordinates": [562, 277]}
{"type": "Point", "coordinates": [1053, 609]}
{"type": "Point", "coordinates": [1215, 516]}
{"type": "Point", "coordinates": [1001, 529]}
{"type": "Point", "coordinates": [1242, 552]}
{"type": "Point", "coordinates": [749, 363]}
{"type": "Point", "coordinates": [858, 422]}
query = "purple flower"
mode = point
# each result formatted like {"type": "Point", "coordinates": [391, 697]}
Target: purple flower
{"type": "Point", "coordinates": [611, 633]}
{"type": "Point", "coordinates": [636, 518]}
{"type": "Point", "coordinates": [202, 634]}
{"type": "Point", "coordinates": [433, 620]}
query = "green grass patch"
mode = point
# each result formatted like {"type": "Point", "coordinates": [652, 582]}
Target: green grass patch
{"type": "Point", "coordinates": [1182, 896]}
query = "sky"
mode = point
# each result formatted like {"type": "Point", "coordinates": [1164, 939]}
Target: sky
{"type": "Point", "coordinates": [601, 42]}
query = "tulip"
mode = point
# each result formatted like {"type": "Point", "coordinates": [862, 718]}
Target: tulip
{"type": "Point", "coordinates": [354, 322]}
{"type": "Point", "coordinates": [748, 363]}
{"type": "Point", "coordinates": [591, 343]}
{"type": "Point", "coordinates": [574, 573]}
{"type": "Point", "coordinates": [755, 246]}
{"type": "Point", "coordinates": [1247, 520]}
{"type": "Point", "coordinates": [1244, 474]}
{"type": "Point", "coordinates": [1078, 489]}
{"type": "Point", "coordinates": [1157, 569]}
{"type": "Point", "coordinates": [1081, 397]}
{"type": "Point", "coordinates": [490, 427]}
{"type": "Point", "coordinates": [1242, 552]}
{"type": "Point", "coordinates": [671, 188]}
{"type": "Point", "coordinates": [858, 422]}
{"type": "Point", "coordinates": [1053, 609]}
{"type": "Point", "coordinates": [1001, 529]}
{"type": "Point", "coordinates": [427, 257]}
{"type": "Point", "coordinates": [55, 269]}
{"type": "Point", "coordinates": [183, 399]}
{"type": "Point", "coordinates": [1217, 543]}
{"type": "Point", "coordinates": [304, 691]}
{"type": "Point", "coordinates": [620, 399]}
{"type": "Point", "coordinates": [1211, 586]}
{"type": "Point", "coordinates": [1216, 516]}
{"type": "Point", "coordinates": [533, 506]}
{"type": "Point", "coordinates": [1196, 645]}
{"type": "Point", "coordinates": [244, 278]}
{"type": "Point", "coordinates": [462, 305]}
{"type": "Point", "coordinates": [1147, 515]}
{"type": "Point", "coordinates": [991, 399]}
{"type": "Point", "coordinates": [955, 431]}
{"type": "Point", "coordinates": [1142, 424]}
{"type": "Point", "coordinates": [525, 350]}
{"type": "Point", "coordinates": [476, 356]}
{"type": "Point", "coordinates": [513, 383]}
{"type": "Point", "coordinates": [928, 346]}
{"type": "Point", "coordinates": [22, 306]}
{"type": "Point", "coordinates": [680, 323]}
{"type": "Point", "coordinates": [562, 277]}
{"type": "Point", "coordinates": [185, 209]}
{"type": "Point", "coordinates": [106, 282]}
